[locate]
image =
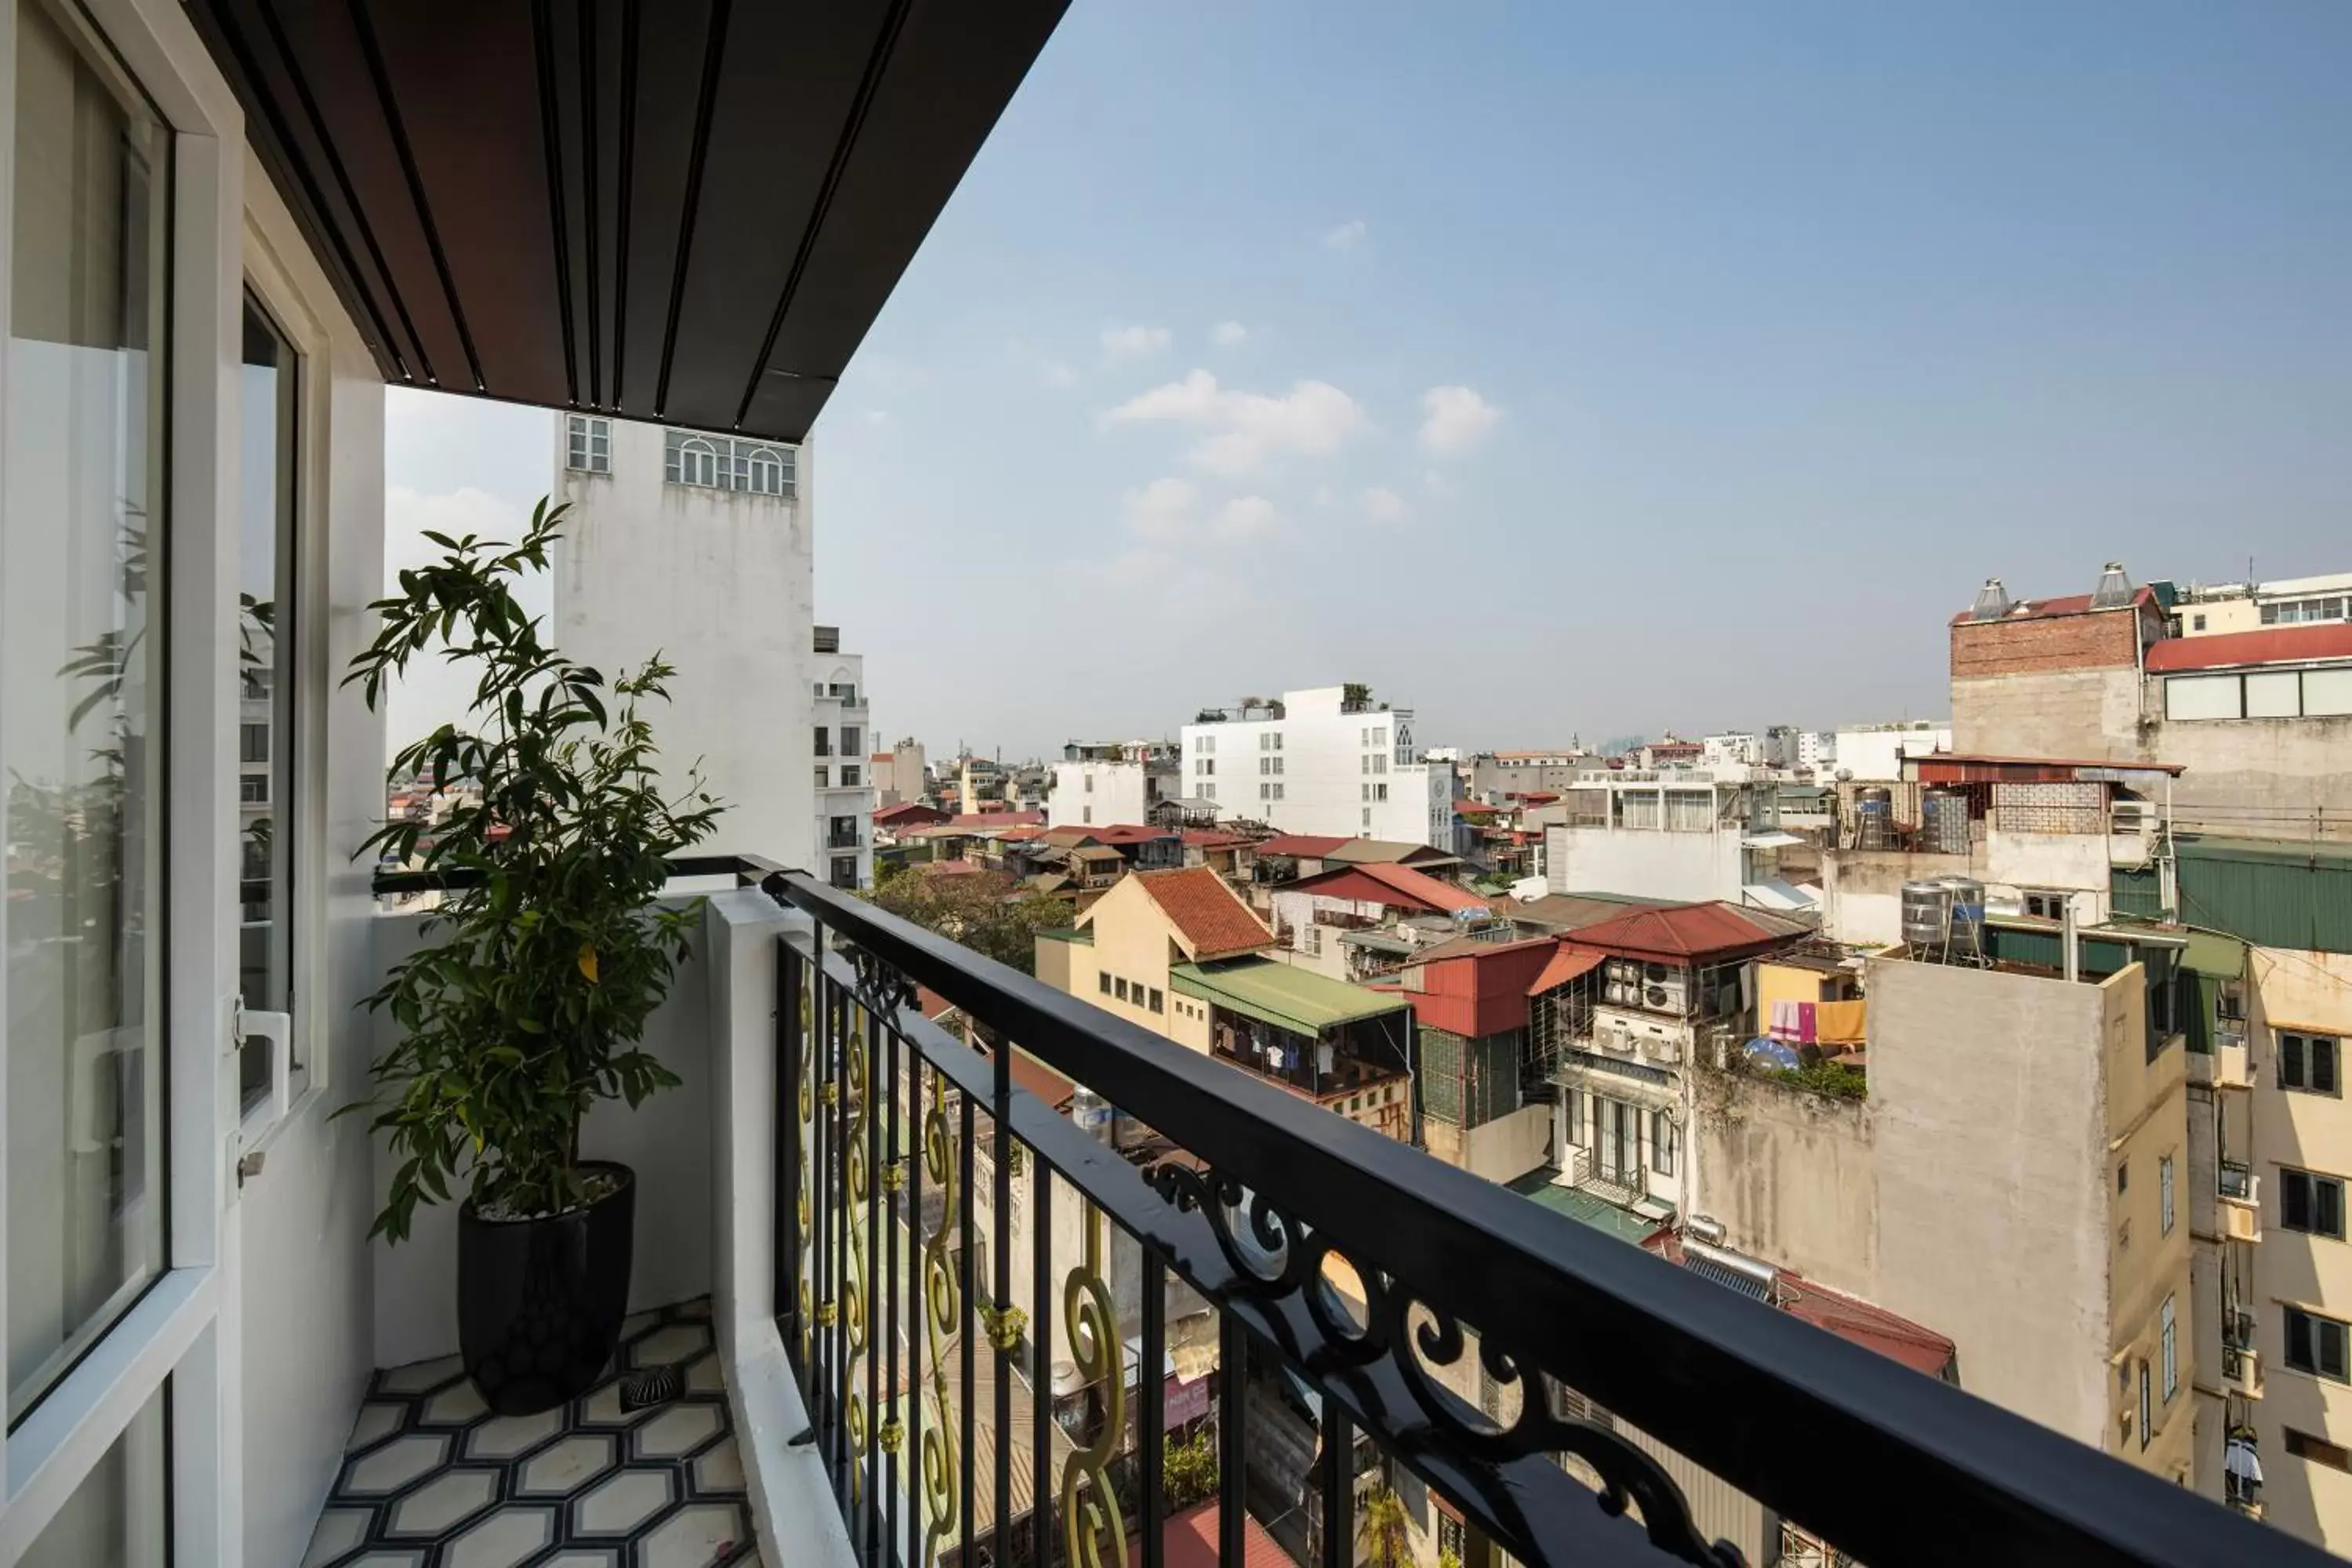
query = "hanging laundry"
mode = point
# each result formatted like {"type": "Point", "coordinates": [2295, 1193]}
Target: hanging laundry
{"type": "Point", "coordinates": [1841, 1022]}
{"type": "Point", "coordinates": [1806, 1021]}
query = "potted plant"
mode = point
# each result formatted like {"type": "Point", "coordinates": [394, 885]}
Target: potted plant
{"type": "Point", "coordinates": [525, 1003]}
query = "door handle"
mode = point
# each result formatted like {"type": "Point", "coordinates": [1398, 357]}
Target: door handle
{"type": "Point", "coordinates": [278, 1028]}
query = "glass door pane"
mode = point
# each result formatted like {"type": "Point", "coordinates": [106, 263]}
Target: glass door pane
{"type": "Point", "coordinates": [81, 487]}
{"type": "Point", "coordinates": [114, 1519]}
{"type": "Point", "coordinates": [264, 749]}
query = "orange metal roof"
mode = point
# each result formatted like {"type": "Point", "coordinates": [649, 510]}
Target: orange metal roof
{"type": "Point", "coordinates": [1566, 965]}
{"type": "Point", "coordinates": [2065, 604]}
{"type": "Point", "coordinates": [1680, 932]}
{"type": "Point", "coordinates": [1311, 845]}
{"type": "Point", "coordinates": [1387, 883]}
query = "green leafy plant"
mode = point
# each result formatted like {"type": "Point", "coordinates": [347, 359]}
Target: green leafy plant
{"type": "Point", "coordinates": [1384, 1532]}
{"type": "Point", "coordinates": [526, 1002]}
{"type": "Point", "coordinates": [1835, 1080]}
{"type": "Point", "coordinates": [1189, 1468]}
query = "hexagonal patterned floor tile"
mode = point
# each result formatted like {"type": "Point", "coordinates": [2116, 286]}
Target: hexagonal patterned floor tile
{"type": "Point", "coordinates": [430, 1477]}
{"type": "Point", "coordinates": [395, 1464]}
{"type": "Point", "coordinates": [674, 1342]}
{"type": "Point", "coordinates": [562, 1467]}
{"type": "Point", "coordinates": [696, 1537]}
{"type": "Point", "coordinates": [439, 1505]}
{"type": "Point", "coordinates": [676, 1432]}
{"type": "Point", "coordinates": [624, 1503]}
{"type": "Point", "coordinates": [504, 1437]}
{"type": "Point", "coordinates": [503, 1540]}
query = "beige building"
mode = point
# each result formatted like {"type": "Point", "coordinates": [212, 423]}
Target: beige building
{"type": "Point", "coordinates": [1963, 1193]}
{"type": "Point", "coordinates": [2223, 608]}
{"type": "Point", "coordinates": [1178, 952]}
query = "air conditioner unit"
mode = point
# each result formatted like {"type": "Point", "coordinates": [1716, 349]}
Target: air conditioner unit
{"type": "Point", "coordinates": [1617, 1038]}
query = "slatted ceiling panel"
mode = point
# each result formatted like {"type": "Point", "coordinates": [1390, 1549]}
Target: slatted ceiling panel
{"type": "Point", "coordinates": [586, 199]}
{"type": "Point", "coordinates": [950, 73]}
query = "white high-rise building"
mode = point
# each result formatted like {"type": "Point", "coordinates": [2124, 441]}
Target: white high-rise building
{"type": "Point", "coordinates": [697, 547]}
{"type": "Point", "coordinates": [1329, 760]}
{"type": "Point", "coordinates": [844, 779]}
{"type": "Point", "coordinates": [1816, 748]}
{"type": "Point", "coordinates": [1098, 783]}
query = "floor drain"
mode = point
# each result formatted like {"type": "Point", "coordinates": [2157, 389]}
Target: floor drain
{"type": "Point", "coordinates": [654, 1385]}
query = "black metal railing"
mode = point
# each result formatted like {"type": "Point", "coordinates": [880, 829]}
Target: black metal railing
{"type": "Point", "coordinates": [958, 1260]}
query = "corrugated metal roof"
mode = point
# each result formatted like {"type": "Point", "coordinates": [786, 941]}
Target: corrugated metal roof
{"type": "Point", "coordinates": [2272, 893]}
{"type": "Point", "coordinates": [1298, 1000]}
{"type": "Point", "coordinates": [2271, 645]}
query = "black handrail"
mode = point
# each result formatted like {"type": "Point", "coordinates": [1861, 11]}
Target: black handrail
{"type": "Point", "coordinates": [1889, 1465]}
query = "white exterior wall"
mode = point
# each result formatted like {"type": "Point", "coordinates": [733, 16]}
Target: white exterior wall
{"type": "Point", "coordinates": [1816, 748]}
{"type": "Point", "coordinates": [1329, 760]}
{"type": "Point", "coordinates": [1644, 862]}
{"type": "Point", "coordinates": [721, 582]}
{"type": "Point", "coordinates": [1096, 795]}
{"type": "Point", "coordinates": [1733, 748]}
{"type": "Point", "coordinates": [1872, 752]}
{"type": "Point", "coordinates": [838, 716]}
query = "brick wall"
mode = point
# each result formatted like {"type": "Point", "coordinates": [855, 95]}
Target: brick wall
{"type": "Point", "coordinates": [2097, 640]}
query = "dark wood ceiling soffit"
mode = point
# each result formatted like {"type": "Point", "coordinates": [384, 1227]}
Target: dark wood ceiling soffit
{"type": "Point", "coordinates": [682, 210]}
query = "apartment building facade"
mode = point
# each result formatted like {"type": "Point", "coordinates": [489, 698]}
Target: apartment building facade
{"type": "Point", "coordinates": [698, 547]}
{"type": "Point", "coordinates": [1672, 833]}
{"type": "Point", "coordinates": [1329, 760]}
{"type": "Point", "coordinates": [841, 724]}
{"type": "Point", "coordinates": [2222, 608]}
{"type": "Point", "coordinates": [1098, 783]}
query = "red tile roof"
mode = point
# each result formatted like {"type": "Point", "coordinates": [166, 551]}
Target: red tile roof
{"type": "Point", "coordinates": [1000, 819]}
{"type": "Point", "coordinates": [1213, 839]}
{"type": "Point", "coordinates": [1306, 845]}
{"type": "Point", "coordinates": [1130, 833]}
{"type": "Point", "coordinates": [1566, 965]}
{"type": "Point", "coordinates": [1205, 912]}
{"type": "Point", "coordinates": [1680, 932]}
{"type": "Point", "coordinates": [1188, 1540]}
{"type": "Point", "coordinates": [2271, 645]}
{"type": "Point", "coordinates": [909, 811]}
{"type": "Point", "coordinates": [2067, 604]}
{"type": "Point", "coordinates": [1386, 882]}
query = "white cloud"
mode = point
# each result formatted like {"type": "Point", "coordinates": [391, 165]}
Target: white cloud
{"type": "Point", "coordinates": [1348, 236]}
{"type": "Point", "coordinates": [1246, 429]}
{"type": "Point", "coordinates": [1456, 420]}
{"type": "Point", "coordinates": [1060, 377]}
{"type": "Point", "coordinates": [1134, 342]}
{"type": "Point", "coordinates": [1229, 334]}
{"type": "Point", "coordinates": [1384, 505]}
{"type": "Point", "coordinates": [1245, 517]}
{"type": "Point", "coordinates": [1160, 510]}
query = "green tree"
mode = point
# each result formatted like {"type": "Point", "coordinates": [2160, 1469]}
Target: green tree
{"type": "Point", "coordinates": [986, 910]}
{"type": "Point", "coordinates": [526, 1002]}
{"type": "Point", "coordinates": [1384, 1534]}
{"type": "Point", "coordinates": [1191, 1470]}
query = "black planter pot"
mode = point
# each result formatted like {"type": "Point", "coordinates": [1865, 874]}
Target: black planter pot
{"type": "Point", "coordinates": [539, 1301]}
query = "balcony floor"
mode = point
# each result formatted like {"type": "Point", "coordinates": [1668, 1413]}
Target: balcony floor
{"type": "Point", "coordinates": [431, 1480]}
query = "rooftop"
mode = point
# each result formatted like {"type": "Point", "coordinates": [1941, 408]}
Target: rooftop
{"type": "Point", "coordinates": [1298, 1000]}
{"type": "Point", "coordinates": [1397, 887]}
{"type": "Point", "coordinates": [2271, 645]}
{"type": "Point", "coordinates": [1213, 922]}
{"type": "Point", "coordinates": [2067, 605]}
{"type": "Point", "coordinates": [1304, 846]}
{"type": "Point", "coordinates": [1849, 1317]}
{"type": "Point", "coordinates": [1685, 933]}
{"type": "Point", "coordinates": [1586, 1208]}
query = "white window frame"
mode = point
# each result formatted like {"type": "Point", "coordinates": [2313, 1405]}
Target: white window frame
{"type": "Point", "coordinates": [2169, 1342]}
{"type": "Point", "coordinates": [587, 444]}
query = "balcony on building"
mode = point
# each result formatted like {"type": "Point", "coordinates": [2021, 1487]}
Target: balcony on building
{"type": "Point", "coordinates": [1342, 1047]}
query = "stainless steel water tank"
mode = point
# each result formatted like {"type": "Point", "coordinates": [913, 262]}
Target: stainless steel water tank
{"type": "Point", "coordinates": [1927, 914]}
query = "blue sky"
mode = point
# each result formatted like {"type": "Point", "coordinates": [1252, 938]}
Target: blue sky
{"type": "Point", "coordinates": [1569, 369]}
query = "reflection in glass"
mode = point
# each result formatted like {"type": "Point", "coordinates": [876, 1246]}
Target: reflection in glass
{"type": "Point", "coordinates": [81, 694]}
{"type": "Point", "coordinates": [265, 689]}
{"type": "Point", "coordinates": [115, 1517]}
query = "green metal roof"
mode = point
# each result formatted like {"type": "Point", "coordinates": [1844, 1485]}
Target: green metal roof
{"type": "Point", "coordinates": [2273, 892]}
{"type": "Point", "coordinates": [2212, 953]}
{"type": "Point", "coordinates": [1590, 1208]}
{"type": "Point", "coordinates": [1272, 992]}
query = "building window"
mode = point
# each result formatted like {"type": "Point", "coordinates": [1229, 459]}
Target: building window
{"type": "Point", "coordinates": [844, 871]}
{"type": "Point", "coordinates": [1379, 792]}
{"type": "Point", "coordinates": [2307, 1063]}
{"type": "Point", "coordinates": [1105, 980]}
{"type": "Point", "coordinates": [1662, 1143]}
{"type": "Point", "coordinates": [2311, 1203]}
{"type": "Point", "coordinates": [253, 742]}
{"type": "Point", "coordinates": [2042, 904]}
{"type": "Point", "coordinates": [851, 775]}
{"type": "Point", "coordinates": [1090, 783]}
{"type": "Point", "coordinates": [2123, 1178]}
{"type": "Point", "coordinates": [1573, 1113]}
{"type": "Point", "coordinates": [2164, 1194]}
{"type": "Point", "coordinates": [721, 462]}
{"type": "Point", "coordinates": [1157, 1000]}
{"type": "Point", "coordinates": [1208, 792]}
{"type": "Point", "coordinates": [823, 741]}
{"type": "Point", "coordinates": [1119, 989]}
{"type": "Point", "coordinates": [1368, 817]}
{"type": "Point", "coordinates": [588, 444]}
{"type": "Point", "coordinates": [770, 471]}
{"type": "Point", "coordinates": [821, 776]}
{"type": "Point", "coordinates": [850, 737]}
{"type": "Point", "coordinates": [2165, 1337]}
{"type": "Point", "coordinates": [1086, 814]}
{"type": "Point", "coordinates": [253, 789]}
{"type": "Point", "coordinates": [2316, 1344]}
{"type": "Point", "coordinates": [2144, 1432]}
{"type": "Point", "coordinates": [2318, 1450]}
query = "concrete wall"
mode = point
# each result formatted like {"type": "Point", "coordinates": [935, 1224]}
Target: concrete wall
{"type": "Point", "coordinates": [1509, 1146]}
{"type": "Point", "coordinates": [2074, 714]}
{"type": "Point", "coordinates": [1862, 890]}
{"type": "Point", "coordinates": [2258, 777]}
{"type": "Point", "coordinates": [1649, 863]}
{"type": "Point", "coordinates": [2078, 860]}
{"type": "Point", "coordinates": [1794, 1177]}
{"type": "Point", "coordinates": [723, 583]}
{"type": "Point", "coordinates": [1133, 942]}
{"type": "Point", "coordinates": [1877, 753]}
{"type": "Point", "coordinates": [1098, 794]}
{"type": "Point", "coordinates": [1989, 1113]}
